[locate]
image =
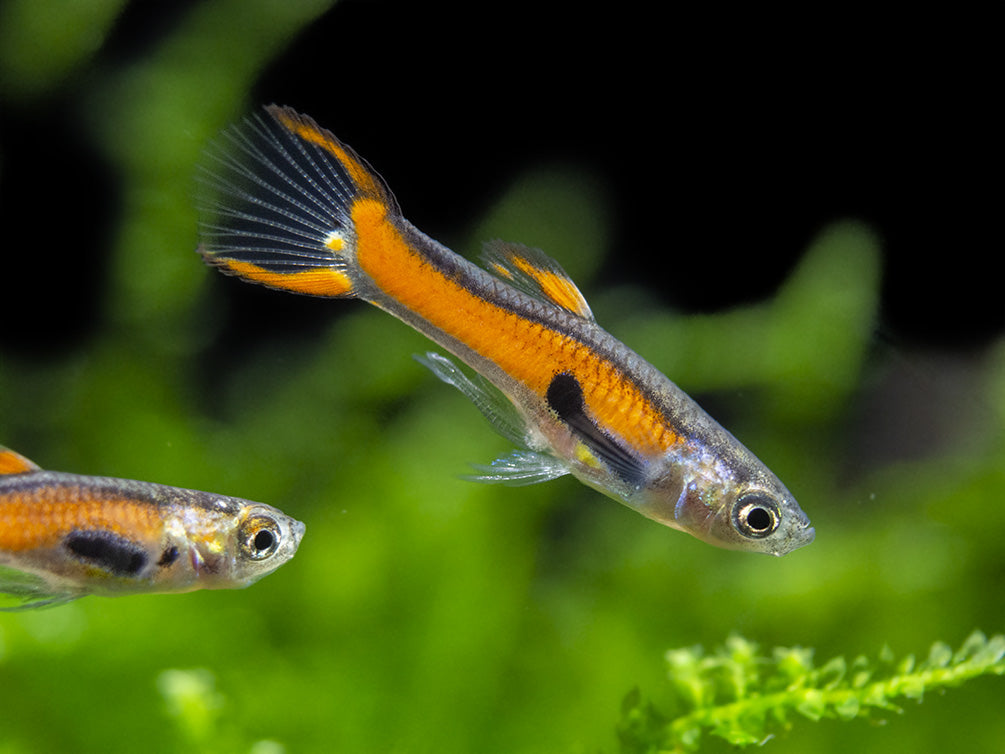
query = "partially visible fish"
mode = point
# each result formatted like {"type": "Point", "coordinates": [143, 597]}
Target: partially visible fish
{"type": "Point", "coordinates": [64, 536]}
{"type": "Point", "coordinates": [291, 207]}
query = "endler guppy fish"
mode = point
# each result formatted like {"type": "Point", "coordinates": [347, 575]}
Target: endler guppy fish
{"type": "Point", "coordinates": [289, 206]}
{"type": "Point", "coordinates": [64, 536]}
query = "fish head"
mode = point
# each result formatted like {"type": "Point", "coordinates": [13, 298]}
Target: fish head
{"type": "Point", "coordinates": [238, 544]}
{"type": "Point", "coordinates": [729, 499]}
{"type": "Point", "coordinates": [265, 539]}
{"type": "Point", "coordinates": [749, 517]}
{"type": "Point", "coordinates": [764, 519]}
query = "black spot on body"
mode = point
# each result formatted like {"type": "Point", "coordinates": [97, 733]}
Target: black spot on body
{"type": "Point", "coordinates": [107, 550]}
{"type": "Point", "coordinates": [169, 556]}
{"type": "Point", "coordinates": [565, 397]}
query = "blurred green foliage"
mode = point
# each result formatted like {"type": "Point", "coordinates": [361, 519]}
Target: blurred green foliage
{"type": "Point", "coordinates": [424, 613]}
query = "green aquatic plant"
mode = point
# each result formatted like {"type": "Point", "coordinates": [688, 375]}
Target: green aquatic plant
{"type": "Point", "coordinates": [743, 696]}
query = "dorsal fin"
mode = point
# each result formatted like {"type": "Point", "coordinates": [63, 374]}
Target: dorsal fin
{"type": "Point", "coordinates": [15, 463]}
{"type": "Point", "coordinates": [536, 274]}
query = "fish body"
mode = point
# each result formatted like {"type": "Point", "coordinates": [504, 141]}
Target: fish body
{"type": "Point", "coordinates": [64, 536]}
{"type": "Point", "coordinates": [289, 206]}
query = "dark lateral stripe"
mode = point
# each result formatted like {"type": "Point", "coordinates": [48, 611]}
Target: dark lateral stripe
{"type": "Point", "coordinates": [107, 550]}
{"type": "Point", "coordinates": [565, 398]}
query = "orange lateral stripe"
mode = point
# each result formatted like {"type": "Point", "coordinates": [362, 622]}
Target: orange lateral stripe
{"type": "Point", "coordinates": [316, 281]}
{"type": "Point", "coordinates": [528, 351]}
{"type": "Point", "coordinates": [307, 130]}
{"type": "Point", "coordinates": [42, 516]}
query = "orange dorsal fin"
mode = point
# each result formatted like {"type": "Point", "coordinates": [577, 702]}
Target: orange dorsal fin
{"type": "Point", "coordinates": [536, 274]}
{"type": "Point", "coordinates": [15, 463]}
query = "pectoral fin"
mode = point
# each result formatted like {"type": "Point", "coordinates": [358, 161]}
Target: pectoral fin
{"type": "Point", "coordinates": [495, 406]}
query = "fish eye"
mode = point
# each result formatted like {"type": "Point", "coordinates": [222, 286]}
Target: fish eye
{"type": "Point", "coordinates": [259, 537]}
{"type": "Point", "coordinates": [755, 515]}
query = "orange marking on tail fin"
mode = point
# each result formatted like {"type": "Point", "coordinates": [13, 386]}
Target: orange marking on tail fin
{"type": "Point", "coordinates": [362, 176]}
{"type": "Point", "coordinates": [316, 281]}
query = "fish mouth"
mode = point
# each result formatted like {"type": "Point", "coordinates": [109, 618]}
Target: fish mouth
{"type": "Point", "coordinates": [297, 529]}
{"type": "Point", "coordinates": [797, 538]}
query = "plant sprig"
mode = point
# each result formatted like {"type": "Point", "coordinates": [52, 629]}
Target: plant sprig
{"type": "Point", "coordinates": [740, 695]}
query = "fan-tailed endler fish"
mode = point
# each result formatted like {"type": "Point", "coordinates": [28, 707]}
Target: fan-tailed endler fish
{"type": "Point", "coordinates": [64, 536]}
{"type": "Point", "coordinates": [287, 205]}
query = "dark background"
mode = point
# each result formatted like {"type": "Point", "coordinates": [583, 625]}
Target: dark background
{"type": "Point", "coordinates": [725, 143]}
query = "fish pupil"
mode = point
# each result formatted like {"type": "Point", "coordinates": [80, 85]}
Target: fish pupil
{"type": "Point", "coordinates": [264, 540]}
{"type": "Point", "coordinates": [759, 519]}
